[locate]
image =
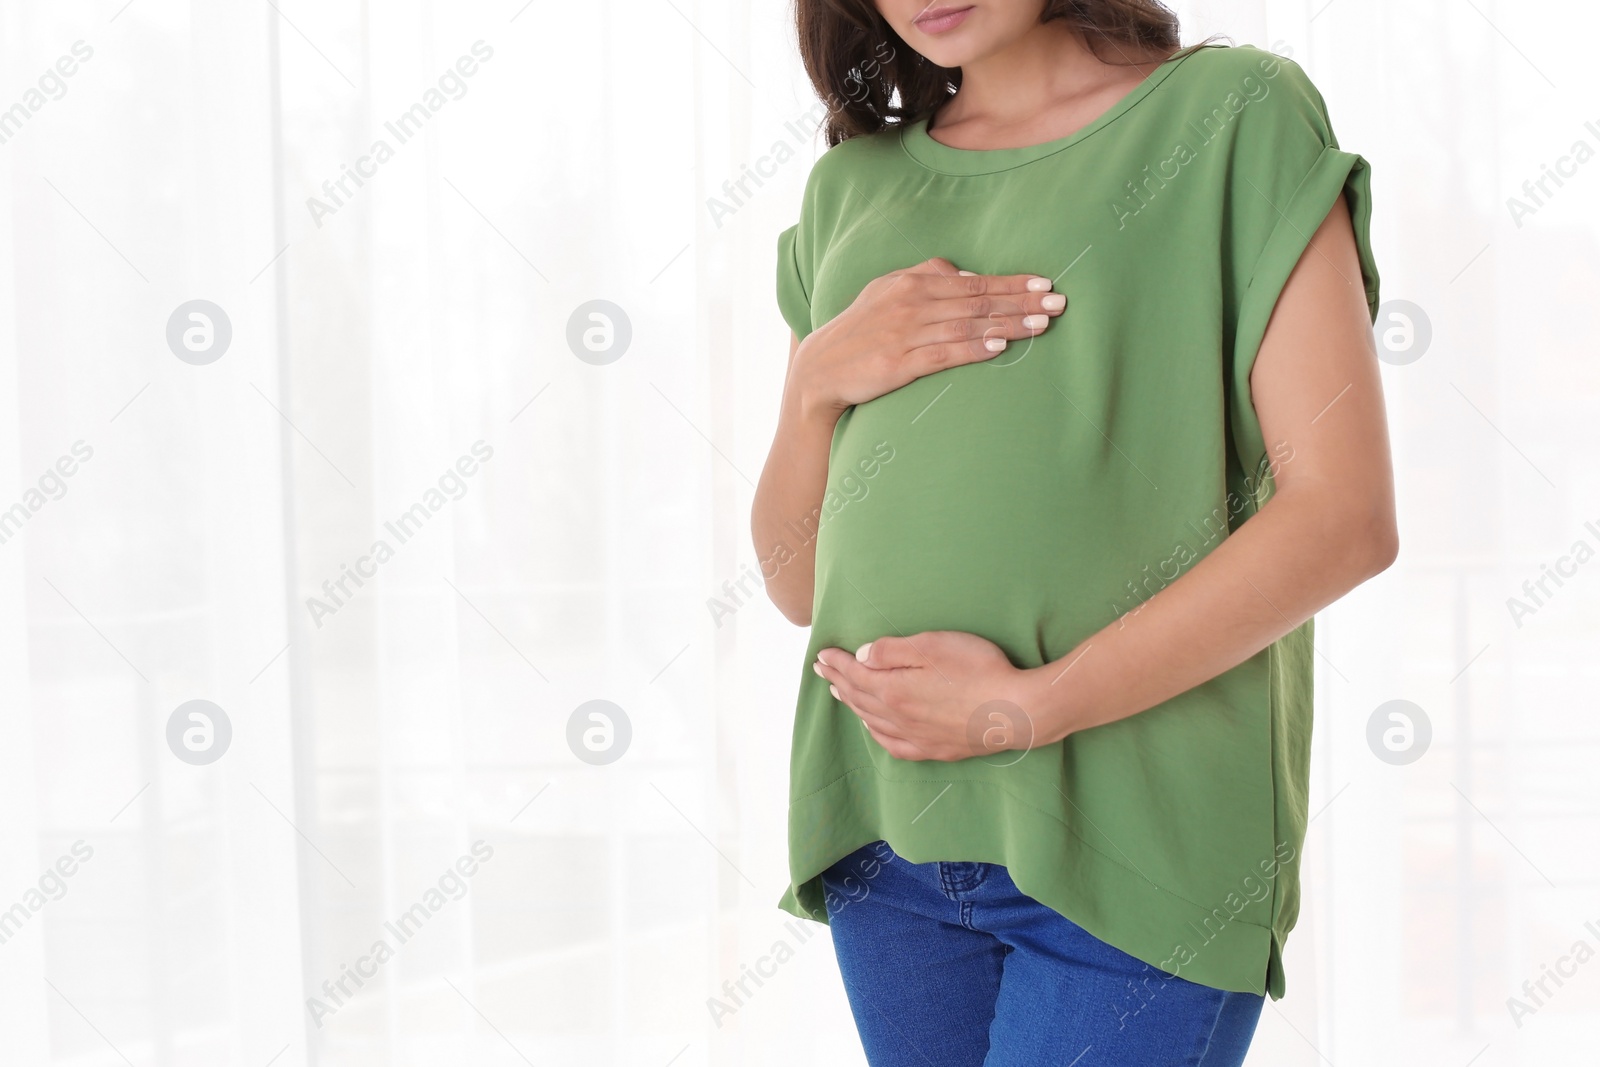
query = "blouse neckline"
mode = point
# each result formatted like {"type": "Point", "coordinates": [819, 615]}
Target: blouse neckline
{"type": "Point", "coordinates": [920, 145]}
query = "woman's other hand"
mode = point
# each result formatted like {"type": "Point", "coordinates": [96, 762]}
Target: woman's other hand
{"type": "Point", "coordinates": [914, 322]}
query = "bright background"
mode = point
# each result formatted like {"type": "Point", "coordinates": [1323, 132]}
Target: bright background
{"type": "Point", "coordinates": [375, 345]}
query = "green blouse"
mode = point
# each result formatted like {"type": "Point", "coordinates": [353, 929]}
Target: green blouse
{"type": "Point", "coordinates": [1035, 498]}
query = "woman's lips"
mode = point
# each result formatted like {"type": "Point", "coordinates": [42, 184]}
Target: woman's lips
{"type": "Point", "coordinates": [940, 19]}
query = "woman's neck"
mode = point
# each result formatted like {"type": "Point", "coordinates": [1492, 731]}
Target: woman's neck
{"type": "Point", "coordinates": [1037, 86]}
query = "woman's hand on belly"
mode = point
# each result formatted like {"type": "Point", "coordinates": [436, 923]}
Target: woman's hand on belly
{"type": "Point", "coordinates": [914, 322]}
{"type": "Point", "coordinates": [941, 695]}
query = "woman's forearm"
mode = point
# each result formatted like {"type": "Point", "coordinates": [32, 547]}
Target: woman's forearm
{"type": "Point", "coordinates": [1305, 549]}
{"type": "Point", "coordinates": [788, 503]}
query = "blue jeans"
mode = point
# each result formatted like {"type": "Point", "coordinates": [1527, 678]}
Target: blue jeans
{"type": "Point", "coordinates": [950, 965]}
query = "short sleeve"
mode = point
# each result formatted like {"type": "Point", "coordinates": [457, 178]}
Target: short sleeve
{"type": "Point", "coordinates": [1286, 176]}
{"type": "Point", "coordinates": [794, 292]}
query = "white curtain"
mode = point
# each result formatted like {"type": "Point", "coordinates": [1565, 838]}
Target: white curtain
{"type": "Point", "coordinates": [401, 499]}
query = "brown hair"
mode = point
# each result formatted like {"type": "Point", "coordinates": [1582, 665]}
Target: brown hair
{"type": "Point", "coordinates": [870, 79]}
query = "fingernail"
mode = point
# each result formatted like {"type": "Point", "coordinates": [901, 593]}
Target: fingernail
{"type": "Point", "coordinates": [995, 344]}
{"type": "Point", "coordinates": [967, 273]}
{"type": "Point", "coordinates": [1040, 285]}
{"type": "Point", "coordinates": [835, 691]}
{"type": "Point", "coordinates": [1053, 302]}
{"type": "Point", "coordinates": [1035, 322]}
{"type": "Point", "coordinates": [861, 653]}
{"type": "Point", "coordinates": [818, 668]}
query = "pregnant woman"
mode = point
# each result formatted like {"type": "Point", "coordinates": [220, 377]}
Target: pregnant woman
{"type": "Point", "coordinates": [1082, 424]}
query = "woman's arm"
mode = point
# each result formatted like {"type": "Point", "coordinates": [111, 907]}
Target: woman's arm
{"type": "Point", "coordinates": [1329, 526]}
{"type": "Point", "coordinates": [788, 500]}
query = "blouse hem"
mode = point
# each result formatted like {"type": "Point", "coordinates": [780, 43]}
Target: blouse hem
{"type": "Point", "coordinates": [1215, 947]}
